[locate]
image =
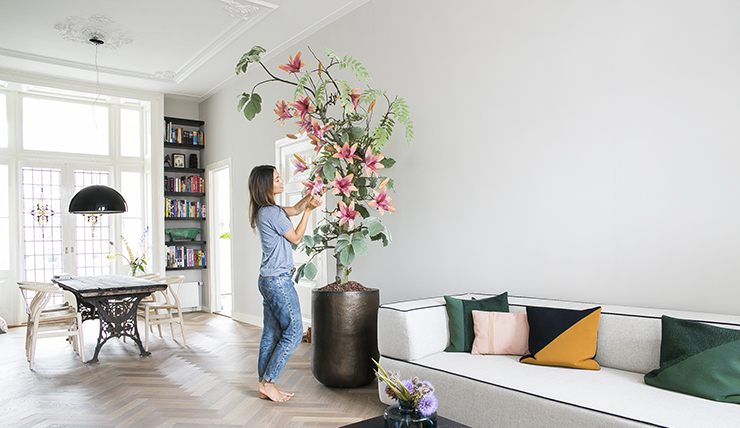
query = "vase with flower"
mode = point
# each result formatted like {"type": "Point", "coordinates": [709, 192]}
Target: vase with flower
{"type": "Point", "coordinates": [349, 130]}
{"type": "Point", "coordinates": [417, 404]}
{"type": "Point", "coordinates": [136, 262]}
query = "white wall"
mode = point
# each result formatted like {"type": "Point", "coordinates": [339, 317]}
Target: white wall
{"type": "Point", "coordinates": [584, 150]}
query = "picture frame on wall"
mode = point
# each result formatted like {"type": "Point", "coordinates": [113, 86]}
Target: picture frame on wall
{"type": "Point", "coordinates": [178, 160]}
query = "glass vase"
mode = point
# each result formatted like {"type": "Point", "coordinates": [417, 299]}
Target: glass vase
{"type": "Point", "coordinates": [404, 415]}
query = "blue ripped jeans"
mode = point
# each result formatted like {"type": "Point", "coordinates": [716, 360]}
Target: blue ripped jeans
{"type": "Point", "coordinates": [282, 328]}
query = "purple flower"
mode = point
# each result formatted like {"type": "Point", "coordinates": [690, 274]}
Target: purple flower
{"type": "Point", "coordinates": [409, 384]}
{"type": "Point", "coordinates": [427, 404]}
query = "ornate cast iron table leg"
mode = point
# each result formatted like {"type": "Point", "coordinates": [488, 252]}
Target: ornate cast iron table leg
{"type": "Point", "coordinates": [117, 318]}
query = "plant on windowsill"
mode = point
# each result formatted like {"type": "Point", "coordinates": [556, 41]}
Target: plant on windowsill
{"type": "Point", "coordinates": [349, 134]}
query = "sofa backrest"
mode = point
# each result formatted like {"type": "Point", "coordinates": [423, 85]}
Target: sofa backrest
{"type": "Point", "coordinates": [629, 337]}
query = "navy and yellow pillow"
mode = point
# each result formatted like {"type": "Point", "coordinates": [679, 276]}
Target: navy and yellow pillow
{"type": "Point", "coordinates": [698, 359]}
{"type": "Point", "coordinates": [563, 337]}
{"type": "Point", "coordinates": [460, 314]}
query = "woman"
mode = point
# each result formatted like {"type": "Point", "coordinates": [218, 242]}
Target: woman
{"type": "Point", "coordinates": [282, 329]}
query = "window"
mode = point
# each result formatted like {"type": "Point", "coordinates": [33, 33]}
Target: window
{"type": "Point", "coordinates": [3, 121]}
{"type": "Point", "coordinates": [53, 125]}
{"type": "Point", "coordinates": [4, 219]}
{"type": "Point", "coordinates": [130, 132]}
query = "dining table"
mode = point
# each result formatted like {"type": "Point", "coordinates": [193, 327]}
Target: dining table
{"type": "Point", "coordinates": [113, 299]}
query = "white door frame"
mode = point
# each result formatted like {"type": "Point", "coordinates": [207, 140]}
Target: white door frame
{"type": "Point", "coordinates": [284, 150]}
{"type": "Point", "coordinates": [212, 232]}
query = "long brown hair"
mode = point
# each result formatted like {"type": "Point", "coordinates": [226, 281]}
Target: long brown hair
{"type": "Point", "coordinates": [260, 191]}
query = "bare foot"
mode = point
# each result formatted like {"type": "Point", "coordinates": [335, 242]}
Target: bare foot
{"type": "Point", "coordinates": [269, 391]}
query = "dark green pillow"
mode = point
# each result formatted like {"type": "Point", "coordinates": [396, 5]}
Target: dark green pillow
{"type": "Point", "coordinates": [461, 318]}
{"type": "Point", "coordinates": [698, 359]}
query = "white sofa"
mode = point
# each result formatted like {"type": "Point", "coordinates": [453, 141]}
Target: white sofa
{"type": "Point", "coordinates": [498, 391]}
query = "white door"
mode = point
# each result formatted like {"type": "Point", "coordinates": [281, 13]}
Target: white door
{"type": "Point", "coordinates": [285, 150]}
{"type": "Point", "coordinates": [219, 240]}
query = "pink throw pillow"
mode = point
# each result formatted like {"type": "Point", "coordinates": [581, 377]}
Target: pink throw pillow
{"type": "Point", "coordinates": [500, 333]}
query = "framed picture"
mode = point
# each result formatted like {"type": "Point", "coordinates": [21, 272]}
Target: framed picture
{"type": "Point", "coordinates": [178, 160]}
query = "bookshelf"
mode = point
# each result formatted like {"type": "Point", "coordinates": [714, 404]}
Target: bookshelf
{"type": "Point", "coordinates": [184, 195]}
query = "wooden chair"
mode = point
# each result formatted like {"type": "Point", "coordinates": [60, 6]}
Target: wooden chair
{"type": "Point", "coordinates": [55, 321]}
{"type": "Point", "coordinates": [162, 311]}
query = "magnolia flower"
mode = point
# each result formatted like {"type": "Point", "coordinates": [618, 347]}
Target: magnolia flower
{"type": "Point", "coordinates": [314, 187]}
{"type": "Point", "coordinates": [299, 163]}
{"type": "Point", "coordinates": [382, 201]}
{"type": "Point", "coordinates": [346, 152]}
{"type": "Point", "coordinates": [282, 111]}
{"type": "Point", "coordinates": [303, 106]}
{"type": "Point", "coordinates": [346, 214]}
{"type": "Point", "coordinates": [372, 162]}
{"type": "Point", "coordinates": [294, 65]}
{"type": "Point", "coordinates": [343, 184]}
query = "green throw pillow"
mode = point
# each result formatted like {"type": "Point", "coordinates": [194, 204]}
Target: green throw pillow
{"type": "Point", "coordinates": [698, 359]}
{"type": "Point", "coordinates": [460, 311]}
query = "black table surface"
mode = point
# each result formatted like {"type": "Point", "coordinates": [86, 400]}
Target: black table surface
{"type": "Point", "coordinates": [108, 285]}
{"type": "Point", "coordinates": [377, 422]}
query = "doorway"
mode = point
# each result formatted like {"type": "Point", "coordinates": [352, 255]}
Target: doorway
{"type": "Point", "coordinates": [219, 191]}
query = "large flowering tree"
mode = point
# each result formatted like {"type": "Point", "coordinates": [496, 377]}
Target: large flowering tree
{"type": "Point", "coordinates": [338, 118]}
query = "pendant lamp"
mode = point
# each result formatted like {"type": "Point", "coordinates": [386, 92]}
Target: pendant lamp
{"type": "Point", "coordinates": [97, 199]}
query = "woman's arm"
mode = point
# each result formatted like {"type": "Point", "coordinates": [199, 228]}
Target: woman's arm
{"type": "Point", "coordinates": [294, 235]}
{"type": "Point", "coordinates": [297, 208]}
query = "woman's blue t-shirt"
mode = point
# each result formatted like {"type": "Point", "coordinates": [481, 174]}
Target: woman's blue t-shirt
{"type": "Point", "coordinates": [277, 253]}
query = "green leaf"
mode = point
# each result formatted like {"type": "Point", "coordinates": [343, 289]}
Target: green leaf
{"type": "Point", "coordinates": [308, 241]}
{"type": "Point", "coordinates": [253, 107]}
{"type": "Point", "coordinates": [299, 273]}
{"type": "Point", "coordinates": [388, 162]}
{"type": "Point", "coordinates": [343, 242]}
{"type": "Point", "coordinates": [243, 100]}
{"type": "Point", "coordinates": [253, 56]}
{"type": "Point", "coordinates": [362, 210]}
{"type": "Point", "coordinates": [329, 171]}
{"type": "Point", "coordinates": [359, 244]}
{"type": "Point", "coordinates": [310, 271]}
{"type": "Point", "coordinates": [375, 228]}
{"type": "Point", "coordinates": [347, 256]}
{"type": "Point", "coordinates": [325, 228]}
{"type": "Point", "coordinates": [357, 132]}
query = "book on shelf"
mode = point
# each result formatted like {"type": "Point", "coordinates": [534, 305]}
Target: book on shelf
{"type": "Point", "coordinates": [180, 208]}
{"type": "Point", "coordinates": [185, 184]}
{"type": "Point", "coordinates": [181, 257]}
{"type": "Point", "coordinates": [184, 136]}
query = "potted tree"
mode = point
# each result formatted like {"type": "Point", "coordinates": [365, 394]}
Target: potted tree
{"type": "Point", "coordinates": [348, 134]}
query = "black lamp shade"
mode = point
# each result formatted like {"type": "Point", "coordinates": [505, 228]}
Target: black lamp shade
{"type": "Point", "coordinates": [97, 199]}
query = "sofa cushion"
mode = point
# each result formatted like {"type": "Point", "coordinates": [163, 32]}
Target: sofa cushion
{"type": "Point", "coordinates": [563, 337]}
{"type": "Point", "coordinates": [698, 359]}
{"type": "Point", "coordinates": [500, 333]}
{"type": "Point", "coordinates": [461, 318]}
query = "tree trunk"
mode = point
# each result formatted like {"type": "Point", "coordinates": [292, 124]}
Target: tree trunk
{"type": "Point", "coordinates": [342, 271]}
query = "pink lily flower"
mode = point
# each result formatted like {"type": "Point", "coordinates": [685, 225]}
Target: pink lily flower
{"type": "Point", "coordinates": [355, 98]}
{"type": "Point", "coordinates": [372, 162]}
{"type": "Point", "coordinates": [302, 106]}
{"type": "Point", "coordinates": [382, 202]}
{"type": "Point", "coordinates": [316, 133]}
{"type": "Point", "coordinates": [294, 65]}
{"type": "Point", "coordinates": [282, 111]}
{"type": "Point", "coordinates": [305, 123]}
{"type": "Point", "coordinates": [314, 187]}
{"type": "Point", "coordinates": [343, 184]}
{"type": "Point", "coordinates": [346, 152]}
{"type": "Point", "coordinates": [346, 214]}
{"type": "Point", "coordinates": [299, 163]}
{"type": "Point", "coordinates": [384, 183]}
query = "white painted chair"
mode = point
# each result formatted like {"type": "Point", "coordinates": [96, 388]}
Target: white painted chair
{"type": "Point", "coordinates": [165, 310]}
{"type": "Point", "coordinates": [54, 321]}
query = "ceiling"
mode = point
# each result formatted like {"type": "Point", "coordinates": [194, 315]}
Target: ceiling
{"type": "Point", "coordinates": [185, 48]}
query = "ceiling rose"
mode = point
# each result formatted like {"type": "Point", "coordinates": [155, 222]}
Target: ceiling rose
{"type": "Point", "coordinates": [80, 29]}
{"type": "Point", "coordinates": [239, 10]}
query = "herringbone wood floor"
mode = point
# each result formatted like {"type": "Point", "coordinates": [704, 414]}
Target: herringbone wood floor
{"type": "Point", "coordinates": [210, 382]}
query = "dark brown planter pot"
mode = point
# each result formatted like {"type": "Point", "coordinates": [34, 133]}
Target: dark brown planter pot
{"type": "Point", "coordinates": [344, 337]}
